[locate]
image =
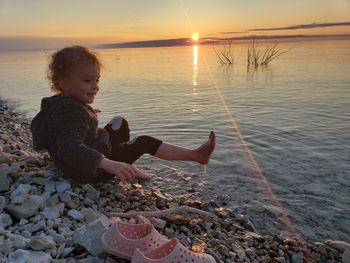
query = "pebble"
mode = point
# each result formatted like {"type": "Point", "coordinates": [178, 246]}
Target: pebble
{"type": "Point", "coordinates": [4, 181]}
{"type": "Point", "coordinates": [2, 202]}
{"type": "Point", "coordinates": [41, 243]}
{"type": "Point", "coordinates": [28, 256]}
{"type": "Point", "coordinates": [5, 220]}
{"type": "Point", "coordinates": [75, 214]}
{"type": "Point", "coordinates": [52, 212]}
{"type": "Point", "coordinates": [61, 187]}
{"type": "Point", "coordinates": [29, 208]}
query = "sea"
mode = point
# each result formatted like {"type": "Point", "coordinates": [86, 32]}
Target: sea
{"type": "Point", "coordinates": [283, 130]}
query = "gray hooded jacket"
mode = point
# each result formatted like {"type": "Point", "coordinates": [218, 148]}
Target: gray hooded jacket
{"type": "Point", "coordinates": [68, 129]}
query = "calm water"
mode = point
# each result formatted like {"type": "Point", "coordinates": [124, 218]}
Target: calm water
{"type": "Point", "coordinates": [294, 117]}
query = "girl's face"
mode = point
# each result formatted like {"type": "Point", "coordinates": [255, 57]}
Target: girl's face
{"type": "Point", "coordinates": [82, 82]}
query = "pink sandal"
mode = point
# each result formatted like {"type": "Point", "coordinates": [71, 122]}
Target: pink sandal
{"type": "Point", "coordinates": [171, 252]}
{"type": "Point", "coordinates": [122, 239]}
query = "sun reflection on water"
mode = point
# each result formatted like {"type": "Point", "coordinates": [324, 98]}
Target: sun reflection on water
{"type": "Point", "coordinates": [194, 78]}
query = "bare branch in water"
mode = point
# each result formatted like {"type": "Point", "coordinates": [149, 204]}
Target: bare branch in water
{"type": "Point", "coordinates": [225, 55]}
{"type": "Point", "coordinates": [262, 57]}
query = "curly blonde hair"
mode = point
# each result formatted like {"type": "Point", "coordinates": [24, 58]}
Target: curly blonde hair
{"type": "Point", "coordinates": [63, 60]}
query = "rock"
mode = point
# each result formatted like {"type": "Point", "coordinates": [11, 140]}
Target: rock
{"type": "Point", "coordinates": [2, 203]}
{"type": "Point", "coordinates": [5, 247]}
{"type": "Point", "coordinates": [48, 173]}
{"type": "Point", "coordinates": [158, 223]}
{"type": "Point", "coordinates": [297, 258]}
{"type": "Point", "coordinates": [51, 212]}
{"type": "Point", "coordinates": [5, 220]}
{"type": "Point", "coordinates": [91, 260]}
{"type": "Point", "coordinates": [28, 256]}
{"type": "Point", "coordinates": [40, 180]}
{"type": "Point", "coordinates": [28, 208]}
{"type": "Point", "coordinates": [339, 245]}
{"type": "Point", "coordinates": [19, 242]}
{"type": "Point", "coordinates": [89, 236]}
{"type": "Point", "coordinates": [76, 215]}
{"type": "Point", "coordinates": [91, 192]}
{"type": "Point", "coordinates": [38, 226]}
{"type": "Point", "coordinates": [20, 199]}
{"type": "Point", "coordinates": [7, 158]}
{"type": "Point", "coordinates": [20, 190]}
{"type": "Point", "coordinates": [50, 187]}
{"type": "Point", "coordinates": [346, 256]}
{"type": "Point", "coordinates": [66, 251]}
{"type": "Point", "coordinates": [4, 183]}
{"type": "Point", "coordinates": [58, 238]}
{"type": "Point", "coordinates": [90, 215]}
{"type": "Point", "coordinates": [61, 187]}
{"type": "Point", "coordinates": [41, 243]}
{"type": "Point", "coordinates": [223, 250]}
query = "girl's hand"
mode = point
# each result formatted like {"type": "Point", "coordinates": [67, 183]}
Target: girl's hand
{"type": "Point", "coordinates": [125, 172]}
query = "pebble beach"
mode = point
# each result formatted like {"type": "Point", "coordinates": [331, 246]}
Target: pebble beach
{"type": "Point", "coordinates": [45, 218]}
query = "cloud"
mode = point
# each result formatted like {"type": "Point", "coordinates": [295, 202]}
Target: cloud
{"type": "Point", "coordinates": [227, 33]}
{"type": "Point", "coordinates": [304, 26]}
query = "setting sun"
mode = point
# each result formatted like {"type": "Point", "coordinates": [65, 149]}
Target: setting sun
{"type": "Point", "coordinates": [195, 37]}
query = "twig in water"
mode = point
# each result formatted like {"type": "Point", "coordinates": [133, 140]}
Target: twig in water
{"type": "Point", "coordinates": [256, 57]}
{"type": "Point", "coordinates": [225, 55]}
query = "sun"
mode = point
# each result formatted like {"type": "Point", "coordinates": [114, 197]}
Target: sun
{"type": "Point", "coordinates": [195, 37]}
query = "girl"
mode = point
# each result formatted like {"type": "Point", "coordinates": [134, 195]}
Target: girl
{"type": "Point", "coordinates": [67, 127]}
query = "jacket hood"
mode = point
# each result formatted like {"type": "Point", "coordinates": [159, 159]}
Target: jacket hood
{"type": "Point", "coordinates": [39, 125]}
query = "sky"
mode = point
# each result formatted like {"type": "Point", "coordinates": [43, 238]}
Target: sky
{"type": "Point", "coordinates": [50, 23]}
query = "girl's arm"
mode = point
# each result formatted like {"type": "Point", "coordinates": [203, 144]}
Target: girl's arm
{"type": "Point", "coordinates": [125, 172]}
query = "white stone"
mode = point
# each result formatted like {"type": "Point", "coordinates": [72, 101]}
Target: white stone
{"type": "Point", "coordinates": [19, 242]}
{"type": "Point", "coordinates": [38, 226]}
{"type": "Point", "coordinates": [58, 238]}
{"type": "Point", "coordinates": [5, 220]}
{"type": "Point", "coordinates": [2, 202]}
{"type": "Point", "coordinates": [28, 208]}
{"type": "Point", "coordinates": [50, 187]}
{"type": "Point", "coordinates": [158, 222]}
{"type": "Point", "coordinates": [61, 187]}
{"type": "Point", "coordinates": [19, 256]}
{"type": "Point", "coordinates": [48, 173]}
{"type": "Point", "coordinates": [66, 251]}
{"type": "Point", "coordinates": [91, 260]}
{"type": "Point", "coordinates": [22, 222]}
{"type": "Point", "coordinates": [21, 189]}
{"type": "Point", "coordinates": [4, 182]}
{"type": "Point", "coordinates": [46, 196]}
{"type": "Point", "coordinates": [5, 247]}
{"type": "Point", "coordinates": [41, 243]}
{"type": "Point", "coordinates": [20, 199]}
{"type": "Point", "coordinates": [340, 245]}
{"type": "Point", "coordinates": [28, 256]}
{"type": "Point", "coordinates": [51, 212]}
{"type": "Point", "coordinates": [89, 236]}
{"type": "Point", "coordinates": [346, 256]}
{"type": "Point", "coordinates": [90, 215]}
{"type": "Point", "coordinates": [76, 215]}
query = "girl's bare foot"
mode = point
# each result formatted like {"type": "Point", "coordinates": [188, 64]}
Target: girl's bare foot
{"type": "Point", "coordinates": [204, 152]}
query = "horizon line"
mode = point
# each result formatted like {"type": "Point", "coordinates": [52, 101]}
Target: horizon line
{"type": "Point", "coordinates": [173, 42]}
{"type": "Point", "coordinates": [214, 40]}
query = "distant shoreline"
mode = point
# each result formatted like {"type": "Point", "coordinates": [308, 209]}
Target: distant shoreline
{"type": "Point", "coordinates": [161, 42]}
{"type": "Point", "coordinates": [211, 41]}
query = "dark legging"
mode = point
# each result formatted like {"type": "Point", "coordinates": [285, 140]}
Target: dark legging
{"type": "Point", "coordinates": [127, 151]}
{"type": "Point", "coordinates": [124, 150]}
